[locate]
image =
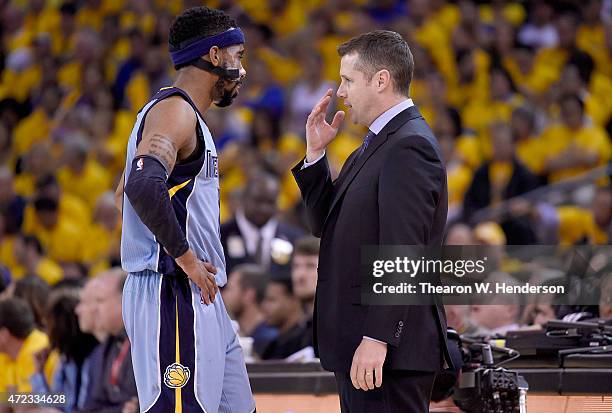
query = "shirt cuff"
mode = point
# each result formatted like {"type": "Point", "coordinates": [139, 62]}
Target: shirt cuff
{"type": "Point", "coordinates": [307, 164]}
{"type": "Point", "coordinates": [373, 339]}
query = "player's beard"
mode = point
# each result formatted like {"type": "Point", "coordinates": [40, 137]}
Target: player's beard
{"type": "Point", "coordinates": [224, 97]}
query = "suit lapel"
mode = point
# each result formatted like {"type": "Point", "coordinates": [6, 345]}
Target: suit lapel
{"type": "Point", "coordinates": [345, 181]}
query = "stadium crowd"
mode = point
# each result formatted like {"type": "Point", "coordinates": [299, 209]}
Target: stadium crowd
{"type": "Point", "coordinates": [517, 93]}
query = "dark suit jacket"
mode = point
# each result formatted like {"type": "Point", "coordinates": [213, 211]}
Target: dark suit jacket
{"type": "Point", "coordinates": [395, 193]}
{"type": "Point", "coordinates": [103, 396]}
{"type": "Point", "coordinates": [230, 229]}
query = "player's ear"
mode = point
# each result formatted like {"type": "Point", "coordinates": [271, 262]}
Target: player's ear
{"type": "Point", "coordinates": [215, 55]}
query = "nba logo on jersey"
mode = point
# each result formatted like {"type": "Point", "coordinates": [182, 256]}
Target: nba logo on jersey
{"type": "Point", "coordinates": [212, 165]}
{"type": "Point", "coordinates": [139, 164]}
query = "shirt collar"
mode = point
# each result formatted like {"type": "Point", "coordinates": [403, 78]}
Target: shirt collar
{"type": "Point", "coordinates": [248, 229]}
{"type": "Point", "coordinates": [386, 117]}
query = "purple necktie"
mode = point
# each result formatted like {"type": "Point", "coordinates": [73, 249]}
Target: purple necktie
{"type": "Point", "coordinates": [368, 138]}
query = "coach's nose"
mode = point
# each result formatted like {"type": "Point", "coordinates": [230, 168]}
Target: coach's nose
{"type": "Point", "coordinates": [341, 92]}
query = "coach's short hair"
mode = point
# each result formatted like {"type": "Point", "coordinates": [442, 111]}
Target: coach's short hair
{"type": "Point", "coordinates": [382, 49]}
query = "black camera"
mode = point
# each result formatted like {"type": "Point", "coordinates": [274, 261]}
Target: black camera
{"type": "Point", "coordinates": [480, 384]}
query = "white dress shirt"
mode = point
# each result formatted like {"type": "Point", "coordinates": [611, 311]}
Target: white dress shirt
{"type": "Point", "coordinates": [251, 236]}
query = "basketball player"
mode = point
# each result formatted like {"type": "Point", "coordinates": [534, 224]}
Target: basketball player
{"type": "Point", "coordinates": [185, 353]}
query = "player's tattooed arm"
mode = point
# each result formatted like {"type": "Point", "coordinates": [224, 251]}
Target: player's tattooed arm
{"type": "Point", "coordinates": [163, 149]}
{"type": "Point", "coordinates": [169, 128]}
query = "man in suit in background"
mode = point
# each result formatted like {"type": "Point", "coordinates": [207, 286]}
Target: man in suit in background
{"type": "Point", "coordinates": [391, 191]}
{"type": "Point", "coordinates": [255, 235]}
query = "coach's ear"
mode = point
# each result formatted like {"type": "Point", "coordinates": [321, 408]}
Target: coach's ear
{"type": "Point", "coordinates": [382, 80]}
{"type": "Point", "coordinates": [215, 55]}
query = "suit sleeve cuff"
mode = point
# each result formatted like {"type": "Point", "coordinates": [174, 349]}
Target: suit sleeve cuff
{"type": "Point", "coordinates": [307, 164]}
{"type": "Point", "coordinates": [373, 339]}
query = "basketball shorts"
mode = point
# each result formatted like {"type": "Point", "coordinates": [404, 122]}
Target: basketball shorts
{"type": "Point", "coordinates": [185, 353]}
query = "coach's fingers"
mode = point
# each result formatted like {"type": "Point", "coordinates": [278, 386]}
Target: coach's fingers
{"type": "Point", "coordinates": [321, 106]}
{"type": "Point", "coordinates": [353, 374]}
{"type": "Point", "coordinates": [361, 377]}
{"type": "Point", "coordinates": [369, 378]}
{"type": "Point", "coordinates": [318, 113]}
{"type": "Point", "coordinates": [338, 118]}
{"type": "Point", "coordinates": [379, 375]}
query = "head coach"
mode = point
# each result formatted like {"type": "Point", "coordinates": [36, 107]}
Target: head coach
{"type": "Point", "coordinates": [390, 191]}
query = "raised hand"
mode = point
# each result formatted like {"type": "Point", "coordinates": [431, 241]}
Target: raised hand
{"type": "Point", "coordinates": [319, 133]}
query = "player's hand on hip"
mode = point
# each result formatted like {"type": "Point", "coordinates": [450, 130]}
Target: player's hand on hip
{"type": "Point", "coordinates": [201, 273]}
{"type": "Point", "coordinates": [367, 367]}
{"type": "Point", "coordinates": [319, 133]}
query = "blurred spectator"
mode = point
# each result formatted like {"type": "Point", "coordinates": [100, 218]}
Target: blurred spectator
{"type": "Point", "coordinates": [86, 312]}
{"type": "Point", "coordinates": [539, 31]}
{"type": "Point", "coordinates": [12, 205]}
{"type": "Point", "coordinates": [304, 265]}
{"type": "Point", "coordinates": [573, 147]}
{"type": "Point", "coordinates": [551, 60]}
{"type": "Point", "coordinates": [500, 179]}
{"type": "Point", "coordinates": [458, 318]}
{"type": "Point", "coordinates": [86, 309]}
{"type": "Point", "coordinates": [37, 126]}
{"type": "Point", "coordinates": [82, 175]}
{"type": "Point", "coordinates": [243, 296]}
{"type": "Point", "coordinates": [263, 92]}
{"type": "Point", "coordinates": [102, 249]}
{"type": "Point", "coordinates": [500, 314]}
{"type": "Point", "coordinates": [283, 310]}
{"type": "Point", "coordinates": [587, 226]}
{"type": "Point", "coordinates": [19, 342]}
{"type": "Point", "coordinates": [528, 147]}
{"type": "Point", "coordinates": [73, 345]}
{"type": "Point", "coordinates": [539, 312]}
{"type": "Point", "coordinates": [605, 297]}
{"type": "Point", "coordinates": [306, 93]}
{"type": "Point", "coordinates": [255, 235]}
{"type": "Point", "coordinates": [112, 383]}
{"type": "Point", "coordinates": [30, 257]}
{"type": "Point", "coordinates": [460, 234]}
{"type": "Point", "coordinates": [34, 291]}
{"type": "Point", "coordinates": [58, 236]}
{"type": "Point", "coordinates": [71, 208]}
{"type": "Point", "coordinates": [130, 66]}
{"type": "Point", "coordinates": [35, 165]}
